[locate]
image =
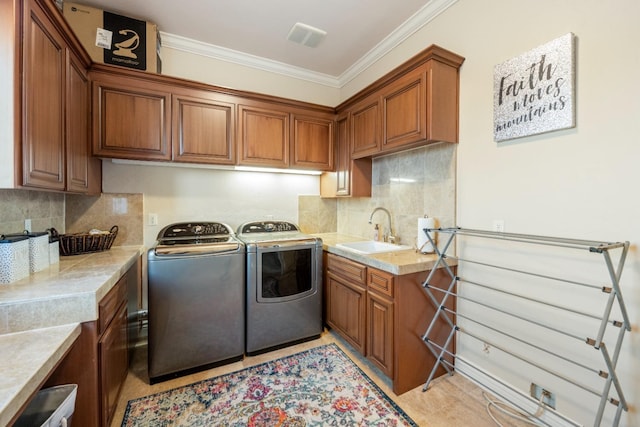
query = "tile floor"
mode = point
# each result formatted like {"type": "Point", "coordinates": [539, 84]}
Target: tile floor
{"type": "Point", "coordinates": [451, 401]}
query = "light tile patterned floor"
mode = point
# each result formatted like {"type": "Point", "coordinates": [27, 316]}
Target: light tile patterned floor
{"type": "Point", "coordinates": [451, 401]}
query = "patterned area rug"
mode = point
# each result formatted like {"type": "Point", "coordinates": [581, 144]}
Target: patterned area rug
{"type": "Point", "coordinates": [317, 387]}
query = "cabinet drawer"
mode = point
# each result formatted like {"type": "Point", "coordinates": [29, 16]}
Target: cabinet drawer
{"type": "Point", "coordinates": [348, 269]}
{"type": "Point", "coordinates": [109, 304]}
{"type": "Point", "coordinates": [380, 282]}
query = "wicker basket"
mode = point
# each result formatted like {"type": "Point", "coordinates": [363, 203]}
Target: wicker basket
{"type": "Point", "coordinates": [82, 243]}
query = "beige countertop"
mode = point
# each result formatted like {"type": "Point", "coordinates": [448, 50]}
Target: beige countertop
{"type": "Point", "coordinates": [26, 360]}
{"type": "Point", "coordinates": [64, 293]}
{"type": "Point", "coordinates": [398, 262]}
{"type": "Point", "coordinates": [40, 318]}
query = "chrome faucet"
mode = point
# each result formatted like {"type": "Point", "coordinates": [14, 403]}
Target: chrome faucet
{"type": "Point", "coordinates": [388, 236]}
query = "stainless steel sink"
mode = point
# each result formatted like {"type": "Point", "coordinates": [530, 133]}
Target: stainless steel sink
{"type": "Point", "coordinates": [372, 247]}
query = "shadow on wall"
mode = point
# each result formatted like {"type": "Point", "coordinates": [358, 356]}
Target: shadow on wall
{"type": "Point", "coordinates": [102, 212]}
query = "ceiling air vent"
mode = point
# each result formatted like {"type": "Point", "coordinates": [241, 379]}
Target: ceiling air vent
{"type": "Point", "coordinates": [306, 35]}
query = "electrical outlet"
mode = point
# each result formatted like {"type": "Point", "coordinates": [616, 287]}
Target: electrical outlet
{"type": "Point", "coordinates": [543, 395]}
{"type": "Point", "coordinates": [153, 219]}
{"type": "Point", "coordinates": [27, 224]}
{"type": "Point", "coordinates": [498, 225]}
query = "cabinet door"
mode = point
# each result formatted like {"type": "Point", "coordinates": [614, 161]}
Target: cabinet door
{"type": "Point", "coordinates": [442, 102]}
{"type": "Point", "coordinates": [343, 157]}
{"type": "Point", "coordinates": [365, 127]}
{"type": "Point", "coordinates": [83, 171]}
{"type": "Point", "coordinates": [404, 110]}
{"type": "Point", "coordinates": [380, 332]}
{"type": "Point", "coordinates": [44, 62]}
{"type": "Point", "coordinates": [352, 177]}
{"type": "Point", "coordinates": [113, 363]}
{"type": "Point", "coordinates": [312, 146]}
{"type": "Point", "coordinates": [203, 129]}
{"type": "Point", "coordinates": [263, 136]}
{"type": "Point", "coordinates": [131, 119]}
{"type": "Point", "coordinates": [346, 311]}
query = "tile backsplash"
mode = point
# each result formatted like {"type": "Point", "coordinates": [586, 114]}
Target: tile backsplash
{"type": "Point", "coordinates": [44, 209]}
{"type": "Point", "coordinates": [71, 213]}
{"type": "Point", "coordinates": [102, 212]}
{"type": "Point", "coordinates": [409, 184]}
{"type": "Point", "coordinates": [317, 215]}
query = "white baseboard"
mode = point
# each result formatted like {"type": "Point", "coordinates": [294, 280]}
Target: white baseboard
{"type": "Point", "coordinates": [512, 395]}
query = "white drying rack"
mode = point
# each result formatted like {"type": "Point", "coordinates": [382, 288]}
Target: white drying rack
{"type": "Point", "coordinates": [446, 358]}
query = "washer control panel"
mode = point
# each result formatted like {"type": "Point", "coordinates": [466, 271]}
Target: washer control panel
{"type": "Point", "coordinates": [194, 229]}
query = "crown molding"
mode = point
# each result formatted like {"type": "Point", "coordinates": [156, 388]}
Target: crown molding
{"type": "Point", "coordinates": [421, 18]}
{"type": "Point", "coordinates": [188, 45]}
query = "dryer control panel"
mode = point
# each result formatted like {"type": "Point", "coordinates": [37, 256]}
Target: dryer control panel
{"type": "Point", "coordinates": [267, 227]}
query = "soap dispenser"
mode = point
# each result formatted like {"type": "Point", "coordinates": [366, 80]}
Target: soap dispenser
{"type": "Point", "coordinates": [376, 233]}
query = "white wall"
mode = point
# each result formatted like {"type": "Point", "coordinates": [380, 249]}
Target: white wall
{"type": "Point", "coordinates": [580, 183]}
{"type": "Point", "coordinates": [216, 72]}
{"type": "Point", "coordinates": [190, 194]}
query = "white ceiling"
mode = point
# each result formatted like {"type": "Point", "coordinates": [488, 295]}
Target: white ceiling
{"type": "Point", "coordinates": [255, 31]}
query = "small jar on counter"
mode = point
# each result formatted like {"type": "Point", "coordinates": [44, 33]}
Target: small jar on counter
{"type": "Point", "coordinates": [14, 258]}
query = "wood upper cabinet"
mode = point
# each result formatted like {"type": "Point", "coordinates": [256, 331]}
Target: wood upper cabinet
{"type": "Point", "coordinates": [365, 127]}
{"type": "Point", "coordinates": [44, 62]}
{"type": "Point", "coordinates": [84, 172]}
{"type": "Point", "coordinates": [413, 105]}
{"type": "Point", "coordinates": [404, 110]}
{"type": "Point", "coordinates": [131, 118]}
{"type": "Point", "coordinates": [272, 134]}
{"type": "Point", "coordinates": [263, 136]}
{"type": "Point", "coordinates": [343, 157]}
{"type": "Point", "coordinates": [352, 177]}
{"type": "Point", "coordinates": [203, 128]}
{"type": "Point", "coordinates": [420, 107]}
{"type": "Point", "coordinates": [55, 109]}
{"type": "Point", "coordinates": [140, 116]}
{"type": "Point", "coordinates": [313, 142]}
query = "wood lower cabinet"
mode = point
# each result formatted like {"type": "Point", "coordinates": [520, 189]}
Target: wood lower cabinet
{"type": "Point", "coordinates": [347, 311]}
{"type": "Point", "coordinates": [203, 128]}
{"type": "Point", "coordinates": [131, 118]}
{"type": "Point", "coordinates": [388, 330]}
{"type": "Point", "coordinates": [98, 362]}
{"type": "Point", "coordinates": [380, 294]}
{"type": "Point", "coordinates": [380, 332]}
{"type": "Point", "coordinates": [114, 363]}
